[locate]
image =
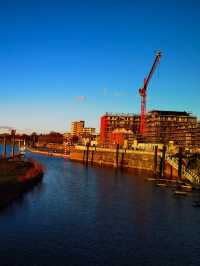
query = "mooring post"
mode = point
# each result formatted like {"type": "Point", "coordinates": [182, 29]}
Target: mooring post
{"type": "Point", "coordinates": [94, 148]}
{"type": "Point", "coordinates": [84, 156]}
{"type": "Point", "coordinates": [13, 143]}
{"type": "Point", "coordinates": [163, 155]}
{"type": "Point", "coordinates": [87, 153]}
{"type": "Point", "coordinates": [117, 155]}
{"type": "Point", "coordinates": [162, 162]}
{"type": "Point", "coordinates": [122, 160]}
{"type": "Point", "coordinates": [4, 148]}
{"type": "Point", "coordinates": [161, 166]}
{"type": "Point", "coordinates": [171, 171]}
{"type": "Point", "coordinates": [155, 159]}
{"type": "Point", "coordinates": [180, 156]}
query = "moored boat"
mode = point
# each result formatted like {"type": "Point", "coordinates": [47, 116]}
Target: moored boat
{"type": "Point", "coordinates": [161, 184]}
{"type": "Point", "coordinates": [180, 193]}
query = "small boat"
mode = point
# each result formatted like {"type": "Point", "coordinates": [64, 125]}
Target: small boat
{"type": "Point", "coordinates": [22, 151]}
{"type": "Point", "coordinates": [151, 179]}
{"type": "Point", "coordinates": [180, 193]}
{"type": "Point", "coordinates": [161, 184]}
{"type": "Point", "coordinates": [187, 187]}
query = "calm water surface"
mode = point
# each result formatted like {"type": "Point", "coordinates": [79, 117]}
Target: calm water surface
{"type": "Point", "coordinates": [96, 216]}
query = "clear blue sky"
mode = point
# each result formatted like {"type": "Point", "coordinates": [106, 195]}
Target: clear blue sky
{"type": "Point", "coordinates": [69, 60]}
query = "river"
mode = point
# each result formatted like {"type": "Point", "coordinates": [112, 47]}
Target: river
{"type": "Point", "coordinates": [101, 217]}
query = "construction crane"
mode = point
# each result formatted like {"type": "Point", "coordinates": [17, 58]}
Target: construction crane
{"type": "Point", "coordinates": [143, 92]}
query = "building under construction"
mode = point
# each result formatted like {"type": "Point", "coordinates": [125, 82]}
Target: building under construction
{"type": "Point", "coordinates": [165, 126]}
{"type": "Point", "coordinates": [111, 126]}
{"type": "Point", "coordinates": [181, 128]}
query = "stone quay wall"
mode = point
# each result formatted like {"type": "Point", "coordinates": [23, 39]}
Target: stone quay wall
{"type": "Point", "coordinates": [118, 158]}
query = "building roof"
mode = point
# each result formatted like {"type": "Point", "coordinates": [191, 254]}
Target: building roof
{"type": "Point", "coordinates": [120, 114]}
{"type": "Point", "coordinates": [168, 112]}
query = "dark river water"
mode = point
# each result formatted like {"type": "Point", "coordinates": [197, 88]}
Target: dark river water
{"type": "Point", "coordinates": [95, 216]}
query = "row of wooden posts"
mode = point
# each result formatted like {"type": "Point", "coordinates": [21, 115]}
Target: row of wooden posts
{"type": "Point", "coordinates": [158, 172]}
{"type": "Point", "coordinates": [163, 160]}
{"type": "Point", "coordinates": [86, 156]}
{"type": "Point", "coordinates": [4, 146]}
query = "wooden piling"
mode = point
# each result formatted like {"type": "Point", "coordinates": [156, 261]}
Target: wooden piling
{"type": "Point", "coordinates": [162, 162]}
{"type": "Point", "coordinates": [117, 156]}
{"type": "Point", "coordinates": [122, 160]}
{"type": "Point", "coordinates": [92, 158]}
{"type": "Point", "coordinates": [87, 154]}
{"type": "Point", "coordinates": [4, 148]}
{"type": "Point", "coordinates": [13, 143]}
{"type": "Point", "coordinates": [171, 171]}
{"type": "Point", "coordinates": [155, 159]}
{"type": "Point", "coordinates": [83, 156]}
{"type": "Point", "coordinates": [163, 155]}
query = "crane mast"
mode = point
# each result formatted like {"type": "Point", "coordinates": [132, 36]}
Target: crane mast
{"type": "Point", "coordinates": [143, 92]}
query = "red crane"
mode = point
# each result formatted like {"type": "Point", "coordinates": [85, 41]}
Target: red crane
{"type": "Point", "coordinates": [143, 92]}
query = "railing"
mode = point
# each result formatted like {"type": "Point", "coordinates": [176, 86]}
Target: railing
{"type": "Point", "coordinates": [188, 174]}
{"type": "Point", "coordinates": [141, 151]}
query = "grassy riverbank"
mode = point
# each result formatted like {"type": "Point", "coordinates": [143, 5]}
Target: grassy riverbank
{"type": "Point", "coordinates": [17, 177]}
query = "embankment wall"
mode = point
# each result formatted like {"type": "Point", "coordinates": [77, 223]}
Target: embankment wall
{"type": "Point", "coordinates": [121, 158]}
{"type": "Point", "coordinates": [114, 158]}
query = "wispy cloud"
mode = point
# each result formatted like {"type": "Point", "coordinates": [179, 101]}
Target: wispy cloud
{"type": "Point", "coordinates": [6, 127]}
{"type": "Point", "coordinates": [80, 98]}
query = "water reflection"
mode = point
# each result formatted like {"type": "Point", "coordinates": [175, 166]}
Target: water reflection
{"type": "Point", "coordinates": [22, 200]}
{"type": "Point", "coordinates": [8, 150]}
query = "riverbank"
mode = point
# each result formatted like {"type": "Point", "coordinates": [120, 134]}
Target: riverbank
{"type": "Point", "coordinates": [48, 153]}
{"type": "Point", "coordinates": [126, 159]}
{"type": "Point", "coordinates": [133, 160]}
{"type": "Point", "coordinates": [16, 177]}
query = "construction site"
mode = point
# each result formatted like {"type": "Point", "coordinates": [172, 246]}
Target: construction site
{"type": "Point", "coordinates": [179, 128]}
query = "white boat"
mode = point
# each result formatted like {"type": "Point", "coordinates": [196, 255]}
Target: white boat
{"type": "Point", "coordinates": [22, 150]}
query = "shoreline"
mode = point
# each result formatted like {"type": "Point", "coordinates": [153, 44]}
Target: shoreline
{"type": "Point", "coordinates": [48, 153]}
{"type": "Point", "coordinates": [134, 161]}
{"type": "Point", "coordinates": [100, 164]}
{"type": "Point", "coordinates": [16, 178]}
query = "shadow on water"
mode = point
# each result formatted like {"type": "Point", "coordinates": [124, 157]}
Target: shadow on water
{"type": "Point", "coordinates": [11, 201]}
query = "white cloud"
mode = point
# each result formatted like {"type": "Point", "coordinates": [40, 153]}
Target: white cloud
{"type": "Point", "coordinates": [81, 98]}
{"type": "Point", "coordinates": [6, 127]}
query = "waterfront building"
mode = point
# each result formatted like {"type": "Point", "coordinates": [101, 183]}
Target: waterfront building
{"type": "Point", "coordinates": [77, 127]}
{"type": "Point", "coordinates": [123, 137]}
{"type": "Point", "coordinates": [166, 126]}
{"type": "Point", "coordinates": [110, 121]}
{"type": "Point", "coordinates": [89, 130]}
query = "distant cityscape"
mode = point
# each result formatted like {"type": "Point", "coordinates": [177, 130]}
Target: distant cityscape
{"type": "Point", "coordinates": [172, 128]}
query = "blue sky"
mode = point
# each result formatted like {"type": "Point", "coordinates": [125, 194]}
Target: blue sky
{"type": "Point", "coordinates": [68, 60]}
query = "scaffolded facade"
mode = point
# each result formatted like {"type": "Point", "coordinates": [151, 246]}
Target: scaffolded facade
{"type": "Point", "coordinates": [111, 121]}
{"type": "Point", "coordinates": [179, 127]}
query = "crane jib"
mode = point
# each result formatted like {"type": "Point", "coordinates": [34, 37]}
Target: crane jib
{"type": "Point", "coordinates": [143, 92]}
